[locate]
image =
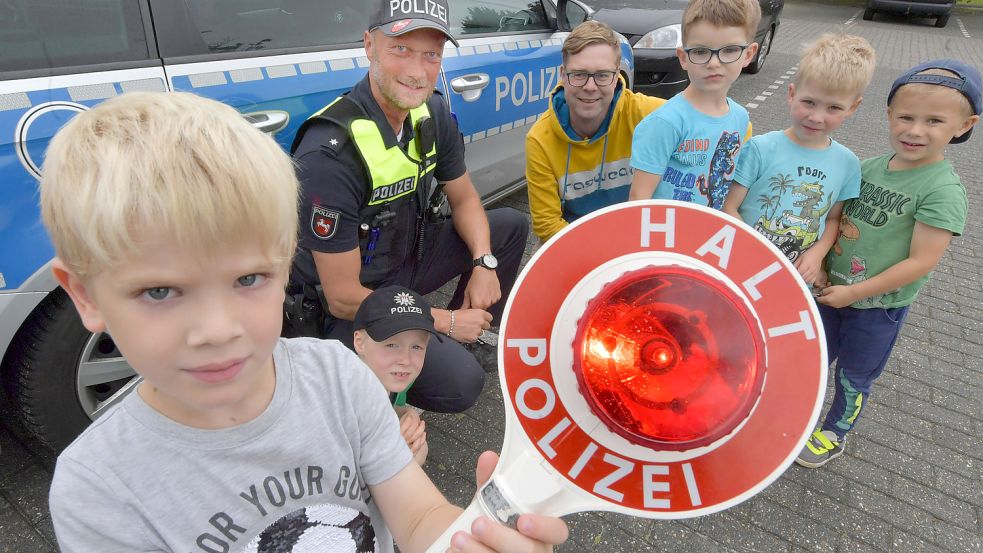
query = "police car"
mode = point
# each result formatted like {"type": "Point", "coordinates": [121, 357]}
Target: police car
{"type": "Point", "coordinates": [276, 61]}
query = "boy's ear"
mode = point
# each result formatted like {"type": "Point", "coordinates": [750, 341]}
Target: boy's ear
{"type": "Point", "coordinates": [749, 54]}
{"type": "Point", "coordinates": [791, 91]}
{"type": "Point", "coordinates": [856, 104]}
{"type": "Point", "coordinates": [968, 124]}
{"type": "Point", "coordinates": [358, 341]}
{"type": "Point", "coordinates": [77, 290]}
{"type": "Point", "coordinates": [683, 60]}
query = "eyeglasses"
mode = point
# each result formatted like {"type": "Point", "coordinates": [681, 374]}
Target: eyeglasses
{"type": "Point", "coordinates": [726, 54]}
{"type": "Point", "coordinates": [580, 78]}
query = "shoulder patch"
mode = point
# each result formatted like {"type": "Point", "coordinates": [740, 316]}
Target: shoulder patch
{"type": "Point", "coordinates": [334, 140]}
{"type": "Point", "coordinates": [324, 222]}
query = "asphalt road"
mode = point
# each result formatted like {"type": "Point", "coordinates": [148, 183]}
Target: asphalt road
{"type": "Point", "coordinates": [911, 476]}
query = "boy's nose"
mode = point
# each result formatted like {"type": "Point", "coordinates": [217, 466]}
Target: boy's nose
{"type": "Point", "coordinates": [214, 325]}
{"type": "Point", "coordinates": [915, 129]}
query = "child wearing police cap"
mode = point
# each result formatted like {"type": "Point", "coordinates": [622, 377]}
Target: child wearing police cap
{"type": "Point", "coordinates": [892, 236]}
{"type": "Point", "coordinates": [392, 328]}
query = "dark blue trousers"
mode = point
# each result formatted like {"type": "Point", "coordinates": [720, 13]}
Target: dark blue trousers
{"type": "Point", "coordinates": [860, 341]}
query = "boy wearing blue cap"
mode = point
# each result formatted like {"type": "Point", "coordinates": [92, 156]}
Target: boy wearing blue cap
{"type": "Point", "coordinates": [892, 236]}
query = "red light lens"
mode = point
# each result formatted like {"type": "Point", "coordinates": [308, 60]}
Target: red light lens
{"type": "Point", "coordinates": [669, 358]}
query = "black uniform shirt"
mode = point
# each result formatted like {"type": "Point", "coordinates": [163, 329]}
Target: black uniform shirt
{"type": "Point", "coordinates": [336, 181]}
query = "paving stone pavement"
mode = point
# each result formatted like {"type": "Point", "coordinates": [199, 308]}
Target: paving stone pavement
{"type": "Point", "coordinates": [911, 477]}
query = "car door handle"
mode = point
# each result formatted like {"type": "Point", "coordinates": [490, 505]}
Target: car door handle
{"type": "Point", "coordinates": [470, 86]}
{"type": "Point", "coordinates": [269, 122]}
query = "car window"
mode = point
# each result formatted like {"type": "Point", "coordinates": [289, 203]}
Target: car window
{"type": "Point", "coordinates": [63, 33]}
{"type": "Point", "coordinates": [576, 14]}
{"type": "Point", "coordinates": [249, 25]}
{"type": "Point", "coordinates": [470, 17]}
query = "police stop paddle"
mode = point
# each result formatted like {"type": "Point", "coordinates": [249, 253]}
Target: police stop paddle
{"type": "Point", "coordinates": [658, 359]}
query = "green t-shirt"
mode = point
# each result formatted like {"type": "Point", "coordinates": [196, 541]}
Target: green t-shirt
{"type": "Point", "coordinates": [399, 400]}
{"type": "Point", "coordinates": [876, 228]}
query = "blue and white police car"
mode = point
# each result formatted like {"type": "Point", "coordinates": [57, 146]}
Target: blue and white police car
{"type": "Point", "coordinates": [276, 61]}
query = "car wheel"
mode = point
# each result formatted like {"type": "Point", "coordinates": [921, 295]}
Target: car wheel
{"type": "Point", "coordinates": [759, 60]}
{"type": "Point", "coordinates": [868, 14]}
{"type": "Point", "coordinates": [942, 20]}
{"type": "Point", "coordinates": [61, 376]}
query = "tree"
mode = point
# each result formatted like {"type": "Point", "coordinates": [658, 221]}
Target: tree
{"type": "Point", "coordinates": [765, 202]}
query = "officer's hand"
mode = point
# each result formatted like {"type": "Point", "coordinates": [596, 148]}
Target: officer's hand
{"type": "Point", "coordinates": [468, 324]}
{"type": "Point", "coordinates": [483, 290]}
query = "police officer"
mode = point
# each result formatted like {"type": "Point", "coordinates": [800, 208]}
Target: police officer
{"type": "Point", "coordinates": [370, 166]}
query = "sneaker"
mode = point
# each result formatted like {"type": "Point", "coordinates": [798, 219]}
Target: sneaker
{"type": "Point", "coordinates": [823, 446]}
{"type": "Point", "coordinates": [485, 350]}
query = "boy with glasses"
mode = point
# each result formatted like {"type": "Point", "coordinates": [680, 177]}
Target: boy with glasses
{"type": "Point", "coordinates": [688, 150]}
{"type": "Point", "coordinates": [578, 151]}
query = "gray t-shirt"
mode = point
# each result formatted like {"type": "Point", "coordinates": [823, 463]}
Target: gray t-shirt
{"type": "Point", "coordinates": [293, 479]}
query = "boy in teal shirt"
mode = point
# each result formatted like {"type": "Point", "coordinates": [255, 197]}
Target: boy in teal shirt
{"type": "Point", "coordinates": [790, 185]}
{"type": "Point", "coordinates": [892, 236]}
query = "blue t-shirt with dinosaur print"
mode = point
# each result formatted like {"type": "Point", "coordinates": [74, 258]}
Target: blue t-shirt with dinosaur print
{"type": "Point", "coordinates": [694, 153]}
{"type": "Point", "coordinates": [791, 188]}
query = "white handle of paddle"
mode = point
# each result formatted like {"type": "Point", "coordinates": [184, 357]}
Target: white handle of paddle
{"type": "Point", "coordinates": [463, 522]}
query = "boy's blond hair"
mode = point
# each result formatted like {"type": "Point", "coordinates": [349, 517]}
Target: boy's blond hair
{"type": "Point", "coordinates": [745, 14]}
{"type": "Point", "coordinates": [588, 33]}
{"type": "Point", "coordinates": [165, 164]}
{"type": "Point", "coordinates": [838, 63]}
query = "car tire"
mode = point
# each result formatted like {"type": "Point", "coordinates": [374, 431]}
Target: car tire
{"type": "Point", "coordinates": [763, 50]}
{"type": "Point", "coordinates": [60, 376]}
{"type": "Point", "coordinates": [868, 14]}
{"type": "Point", "coordinates": [942, 20]}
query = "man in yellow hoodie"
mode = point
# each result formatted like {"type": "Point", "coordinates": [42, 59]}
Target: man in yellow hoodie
{"type": "Point", "coordinates": [578, 152]}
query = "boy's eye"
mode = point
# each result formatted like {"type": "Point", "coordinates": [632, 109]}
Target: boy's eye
{"type": "Point", "coordinates": [729, 51]}
{"type": "Point", "coordinates": [157, 294]}
{"type": "Point", "coordinates": [250, 280]}
{"type": "Point", "coordinates": [699, 52]}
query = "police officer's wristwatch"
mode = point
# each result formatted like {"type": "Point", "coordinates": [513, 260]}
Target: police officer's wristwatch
{"type": "Point", "coordinates": [487, 261]}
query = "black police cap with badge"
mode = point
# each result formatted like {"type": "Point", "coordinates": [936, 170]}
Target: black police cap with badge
{"type": "Point", "coordinates": [397, 17]}
{"type": "Point", "coordinates": [391, 310]}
